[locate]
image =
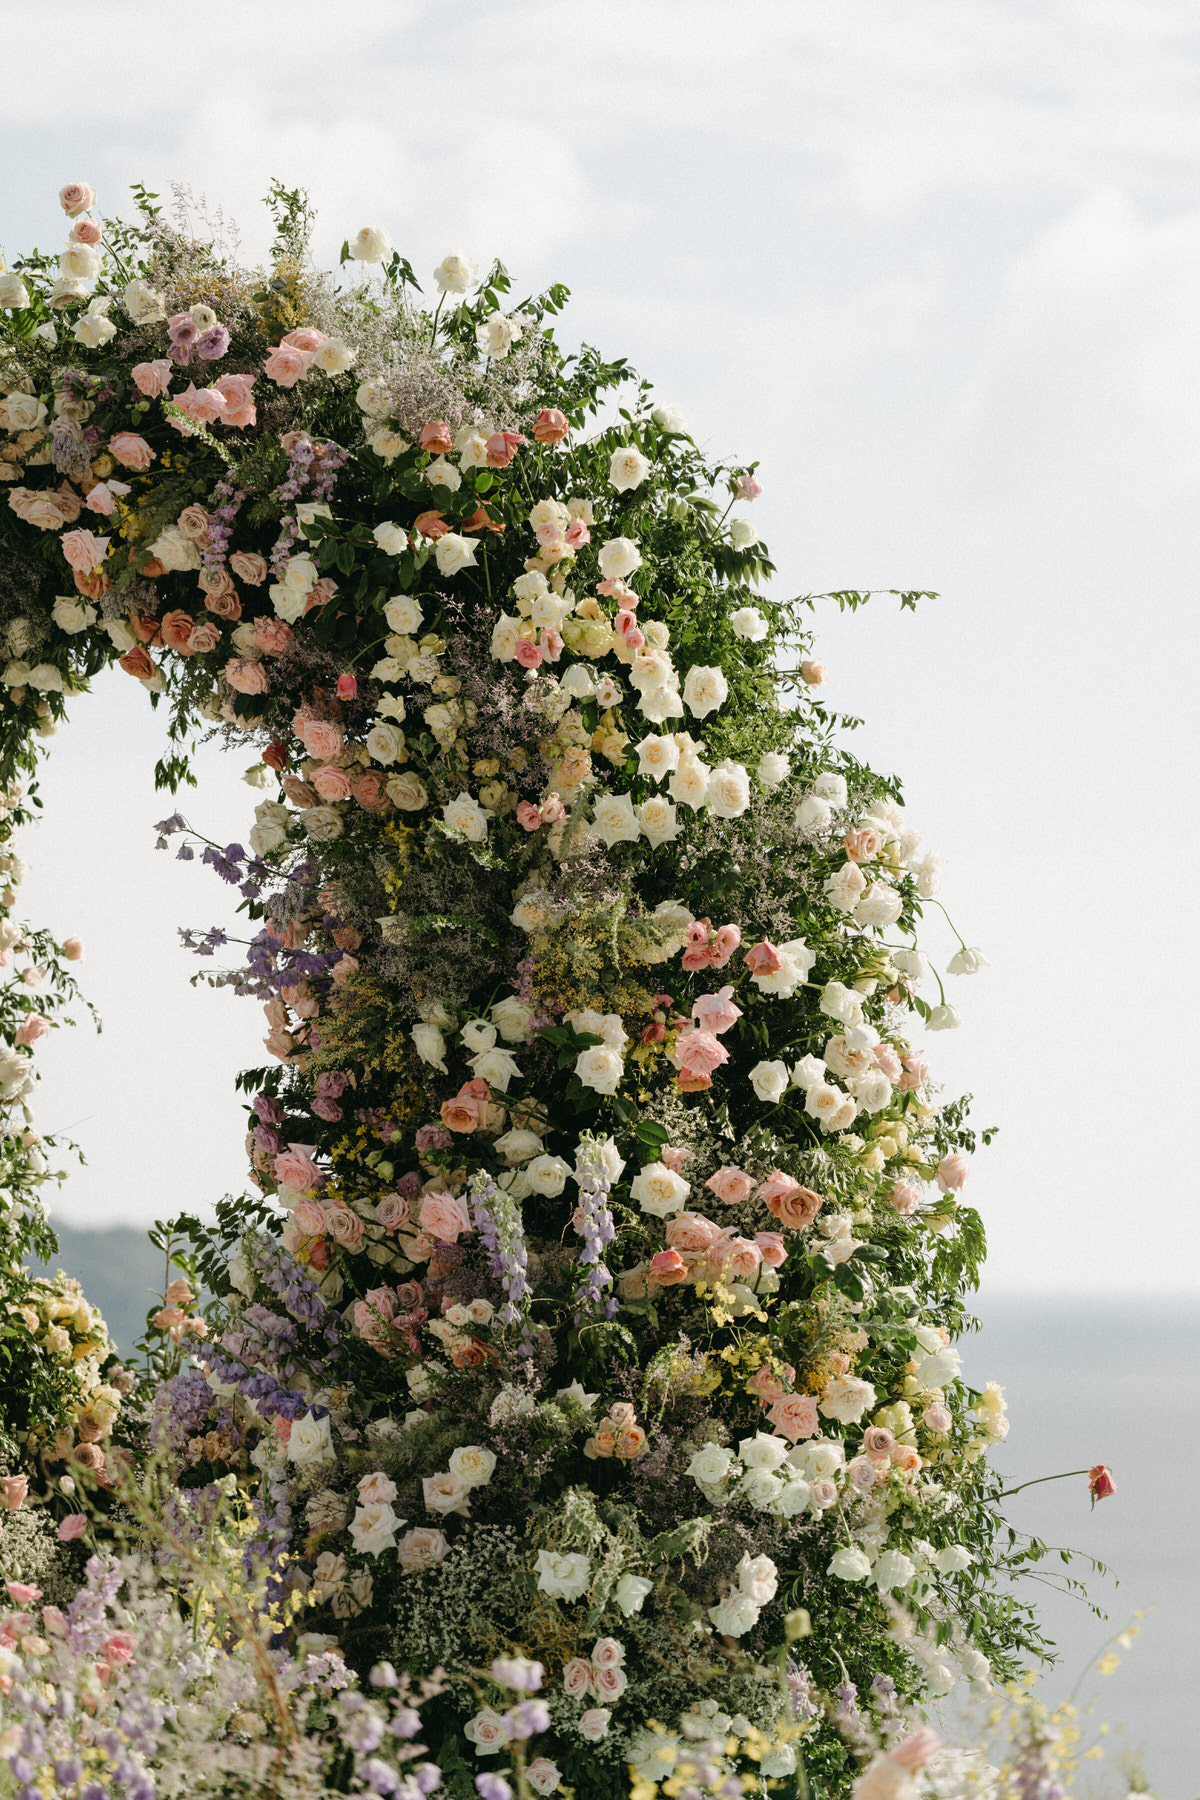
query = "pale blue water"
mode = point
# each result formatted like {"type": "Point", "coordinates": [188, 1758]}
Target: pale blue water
{"type": "Point", "coordinates": [1113, 1381]}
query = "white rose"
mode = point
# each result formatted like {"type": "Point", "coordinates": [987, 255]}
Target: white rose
{"type": "Point", "coordinates": [873, 1091]}
{"type": "Point", "coordinates": [615, 820]}
{"type": "Point", "coordinates": [384, 743]}
{"type": "Point", "coordinates": [322, 823]}
{"type": "Point", "coordinates": [846, 1398]}
{"type": "Point", "coordinates": [659, 1190]}
{"type": "Point", "coordinates": [818, 1460]}
{"type": "Point", "coordinates": [392, 539]}
{"type": "Point", "coordinates": [486, 1731]}
{"type": "Point", "coordinates": [808, 1072]}
{"type": "Point", "coordinates": [564, 1576]}
{"type": "Point", "coordinates": [748, 623]}
{"type": "Point", "coordinates": [758, 1577]}
{"type": "Point", "coordinates": [893, 1570]}
{"type": "Point", "coordinates": [940, 1369]}
{"type": "Point", "coordinates": [407, 791]}
{"type": "Point", "coordinates": [627, 469]}
{"type": "Point", "coordinates": [967, 962]}
{"type": "Point", "coordinates": [928, 873]}
{"type": "Point", "coordinates": [472, 1465]}
{"type": "Point", "coordinates": [374, 1527]}
{"type": "Point", "coordinates": [403, 614]}
{"type": "Point", "coordinates": [80, 261]}
{"type": "Point", "coordinates": [66, 291]}
{"type": "Point", "coordinates": [735, 1615]}
{"type": "Point", "coordinates": [45, 678]}
{"type": "Point", "coordinates": [443, 474]}
{"type": "Point", "coordinates": [944, 1018]}
{"type": "Point", "coordinates": [769, 1081]}
{"type": "Point", "coordinates": [823, 1102]}
{"type": "Point", "coordinates": [657, 756]}
{"type": "Point", "coordinates": [742, 534]}
{"type": "Point", "coordinates": [711, 1465]}
{"type": "Point", "coordinates": [795, 963]}
{"type": "Point", "coordinates": [704, 690]}
{"type": "Point", "coordinates": [773, 768]}
{"type": "Point", "coordinates": [689, 782]}
{"type": "Point", "coordinates": [466, 819]}
{"type": "Point", "coordinates": [374, 400]}
{"type": "Point", "coordinates": [608, 1026]}
{"type": "Point", "coordinates": [845, 887]}
{"type": "Point", "coordinates": [879, 907]}
{"type": "Point", "coordinates": [548, 1175]}
{"type": "Point", "coordinates": [21, 412]}
{"type": "Point", "coordinates": [850, 1563]}
{"type": "Point", "coordinates": [271, 822]}
{"type": "Point", "coordinates": [839, 1002]}
{"type": "Point", "coordinates": [794, 1499]}
{"type": "Point", "coordinates": [506, 635]}
{"type": "Point", "coordinates": [94, 327]}
{"type": "Point", "coordinates": [658, 820]}
{"type": "Point", "coordinates": [455, 274]}
{"type": "Point", "coordinates": [386, 443]}
{"type": "Point", "coordinates": [760, 1488]}
{"type": "Point", "coordinates": [618, 558]}
{"type": "Point", "coordinates": [600, 1068]}
{"type": "Point", "coordinates": [728, 790]}
{"type": "Point", "coordinates": [370, 245]}
{"type": "Point", "coordinates": [334, 356]}
{"type": "Point", "coordinates": [478, 1034]}
{"type": "Point", "coordinates": [311, 1440]}
{"type": "Point", "coordinates": [763, 1451]}
{"type": "Point", "coordinates": [630, 1593]}
{"type": "Point", "coordinates": [512, 1017]}
{"type": "Point", "coordinates": [517, 1146]}
{"type": "Point", "coordinates": [496, 1067]}
{"type": "Point", "coordinates": [13, 292]}
{"type": "Point", "coordinates": [454, 553]}
{"type": "Point", "coordinates": [72, 616]}
{"type": "Point", "coordinates": [497, 334]}
{"type": "Point", "coordinates": [953, 1559]}
{"type": "Point", "coordinates": [813, 814]}
{"type": "Point", "coordinates": [669, 418]}
{"type": "Point", "coordinates": [832, 788]}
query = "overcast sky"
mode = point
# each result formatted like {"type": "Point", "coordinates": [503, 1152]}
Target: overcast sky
{"type": "Point", "coordinates": [938, 266]}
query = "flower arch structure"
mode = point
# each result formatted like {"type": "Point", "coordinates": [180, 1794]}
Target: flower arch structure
{"type": "Point", "coordinates": [593, 1299]}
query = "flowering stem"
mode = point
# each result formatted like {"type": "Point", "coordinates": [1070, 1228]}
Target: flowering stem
{"type": "Point", "coordinates": [1066, 1475]}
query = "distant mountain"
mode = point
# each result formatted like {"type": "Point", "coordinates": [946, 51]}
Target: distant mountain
{"type": "Point", "coordinates": [121, 1273]}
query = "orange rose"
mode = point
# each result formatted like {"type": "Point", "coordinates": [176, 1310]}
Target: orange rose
{"type": "Point", "coordinates": [176, 630]}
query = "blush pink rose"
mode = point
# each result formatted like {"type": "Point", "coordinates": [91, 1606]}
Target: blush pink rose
{"type": "Point", "coordinates": [937, 1418]}
{"type": "Point", "coordinates": [716, 1012]}
{"type": "Point", "coordinates": [577, 535]}
{"type": "Point", "coordinates": [691, 1232]}
{"type": "Point", "coordinates": [73, 949]}
{"type": "Point", "coordinates": [310, 1217]}
{"type": "Point", "coordinates": [905, 1198]}
{"type": "Point", "coordinates": [674, 1158]}
{"type": "Point", "coordinates": [917, 1751]}
{"type": "Point", "coordinates": [863, 1475]}
{"type": "Point", "coordinates": [812, 672]}
{"type": "Point", "coordinates": [344, 1227]}
{"type": "Point", "coordinates": [14, 1489]}
{"type": "Point", "coordinates": [792, 1204]}
{"type": "Point", "coordinates": [152, 378]}
{"type": "Point", "coordinates": [204, 406]}
{"type": "Point", "coordinates": [273, 636]}
{"type": "Point", "coordinates": [306, 337]}
{"type": "Point", "coordinates": [84, 231]}
{"type": "Point", "coordinates": [551, 426]}
{"type": "Point", "coordinates": [32, 1027]}
{"type": "Point", "coordinates": [295, 1168]}
{"type": "Point", "coordinates": [286, 366]}
{"type": "Point", "coordinates": [528, 816]}
{"type": "Point", "coordinates": [794, 1416]}
{"type": "Point", "coordinates": [887, 1059]}
{"type": "Point", "coordinates": [322, 738]}
{"type": "Point", "coordinates": [203, 638]}
{"type": "Point", "coordinates": [527, 653]}
{"type": "Point", "coordinates": [245, 676]}
{"type": "Point", "coordinates": [502, 447]}
{"type": "Point", "coordinates": [726, 941]}
{"type": "Point", "coordinates": [76, 197]}
{"type": "Point", "coordinates": [916, 1073]}
{"type": "Point", "coordinates": [238, 393]}
{"type": "Point", "coordinates": [249, 567]}
{"type": "Point", "coordinates": [577, 1678]}
{"type": "Point", "coordinates": [609, 1683]}
{"type": "Point", "coordinates": [863, 844]}
{"type": "Point", "coordinates": [878, 1443]}
{"type": "Point", "coordinates": [72, 1527]}
{"type": "Point", "coordinates": [952, 1172]}
{"type": "Point", "coordinates": [331, 783]}
{"type": "Point", "coordinates": [731, 1184]}
{"type": "Point", "coordinates": [119, 1647]}
{"type": "Point", "coordinates": [736, 1257]}
{"type": "Point", "coordinates": [392, 1213]}
{"type": "Point", "coordinates": [699, 1053]}
{"type": "Point", "coordinates": [772, 1248]}
{"type": "Point", "coordinates": [444, 1217]}
{"type": "Point", "coordinates": [131, 451]}
{"type": "Point", "coordinates": [370, 791]}
{"type": "Point", "coordinates": [84, 550]}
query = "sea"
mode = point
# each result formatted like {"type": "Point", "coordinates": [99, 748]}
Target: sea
{"type": "Point", "coordinates": [1088, 1379]}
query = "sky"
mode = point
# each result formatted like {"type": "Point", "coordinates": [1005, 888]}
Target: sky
{"type": "Point", "coordinates": [938, 268]}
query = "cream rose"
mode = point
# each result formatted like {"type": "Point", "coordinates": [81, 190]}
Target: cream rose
{"type": "Point", "coordinates": [658, 820]}
{"type": "Point", "coordinates": [618, 558]}
{"type": "Point", "coordinates": [453, 553]}
{"type": "Point", "coordinates": [370, 245]}
{"type": "Point", "coordinates": [466, 819]}
{"type": "Point", "coordinates": [770, 1081]}
{"type": "Point", "coordinates": [627, 469]}
{"type": "Point", "coordinates": [659, 1190]}
{"type": "Point", "coordinates": [615, 820]}
{"type": "Point", "coordinates": [728, 793]}
{"type": "Point", "coordinates": [705, 689]}
{"type": "Point", "coordinates": [600, 1068]}
{"type": "Point", "coordinates": [472, 1465]}
{"type": "Point", "coordinates": [384, 743]}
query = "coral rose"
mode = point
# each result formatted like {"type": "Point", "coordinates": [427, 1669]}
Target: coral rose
{"type": "Point", "coordinates": [176, 628]}
{"type": "Point", "coordinates": [551, 426]}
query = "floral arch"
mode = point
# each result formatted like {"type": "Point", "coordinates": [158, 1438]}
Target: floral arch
{"type": "Point", "coordinates": [594, 1300]}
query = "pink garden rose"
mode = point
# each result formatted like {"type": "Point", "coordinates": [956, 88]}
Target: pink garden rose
{"type": "Point", "coordinates": [84, 550]}
{"type": "Point", "coordinates": [204, 406]}
{"type": "Point", "coordinates": [295, 1168]}
{"type": "Point", "coordinates": [344, 1227]}
{"type": "Point", "coordinates": [577, 1678]}
{"type": "Point", "coordinates": [13, 1489]}
{"type": "Point", "coordinates": [305, 337]}
{"type": "Point", "coordinates": [73, 949]}
{"type": "Point", "coordinates": [667, 1268]}
{"type": "Point", "coordinates": [286, 365]}
{"type": "Point", "coordinates": [716, 1012]}
{"type": "Point", "coordinates": [72, 1527]}
{"type": "Point", "coordinates": [245, 676]}
{"type": "Point", "coordinates": [699, 1053]}
{"type": "Point", "coordinates": [763, 959]}
{"type": "Point", "coordinates": [332, 784]}
{"type": "Point", "coordinates": [153, 378]}
{"type": "Point", "coordinates": [794, 1416]}
{"type": "Point", "coordinates": [772, 1247]}
{"type": "Point", "coordinates": [422, 1548]}
{"type": "Point", "coordinates": [905, 1198]}
{"type": "Point", "coordinates": [737, 1258]}
{"type": "Point", "coordinates": [76, 197]}
{"type": "Point", "coordinates": [691, 1233]}
{"type": "Point", "coordinates": [272, 636]}
{"type": "Point", "coordinates": [952, 1172]}
{"type": "Point", "coordinates": [937, 1418]}
{"type": "Point", "coordinates": [131, 451]}
{"type": "Point", "coordinates": [248, 566]}
{"type": "Point", "coordinates": [321, 738]}
{"type": "Point", "coordinates": [310, 1217]}
{"type": "Point", "coordinates": [887, 1059]}
{"type": "Point", "coordinates": [731, 1184]}
{"type": "Point", "coordinates": [240, 410]}
{"type": "Point", "coordinates": [444, 1216]}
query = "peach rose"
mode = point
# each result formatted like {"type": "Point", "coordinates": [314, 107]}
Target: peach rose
{"type": "Point", "coordinates": [249, 567]}
{"type": "Point", "coordinates": [793, 1205]}
{"type": "Point", "coordinates": [84, 550]}
{"type": "Point", "coordinates": [152, 378]}
{"type": "Point", "coordinates": [436, 437]}
{"type": "Point", "coordinates": [310, 1217]}
{"type": "Point", "coordinates": [295, 1168]}
{"type": "Point", "coordinates": [551, 426]}
{"type": "Point", "coordinates": [224, 605]}
{"type": "Point", "coordinates": [731, 1184]}
{"type": "Point", "coordinates": [863, 844]}
{"type": "Point", "coordinates": [272, 636]}
{"type": "Point", "coordinates": [176, 628]}
{"type": "Point", "coordinates": [794, 1416]}
{"type": "Point", "coordinates": [667, 1269]}
{"type": "Point", "coordinates": [94, 586]}
{"type": "Point", "coordinates": [422, 1548]}
{"type": "Point", "coordinates": [878, 1443]}
{"type": "Point", "coordinates": [286, 365]}
{"type": "Point", "coordinates": [205, 638]}
{"type": "Point", "coordinates": [430, 525]}
{"type": "Point", "coordinates": [322, 739]}
{"type": "Point", "coordinates": [332, 784]}
{"type": "Point", "coordinates": [305, 337]}
{"type": "Point", "coordinates": [240, 409]}
{"type": "Point", "coordinates": [905, 1198]}
{"type": "Point", "coordinates": [771, 1245]}
{"type": "Point", "coordinates": [131, 451]}
{"type": "Point", "coordinates": [738, 1258]}
{"type": "Point", "coordinates": [906, 1459]}
{"type": "Point", "coordinates": [138, 662]}
{"type": "Point", "coordinates": [246, 677]}
{"type": "Point", "coordinates": [691, 1232]}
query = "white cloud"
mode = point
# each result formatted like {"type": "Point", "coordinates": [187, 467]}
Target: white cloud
{"type": "Point", "coordinates": [1088, 394]}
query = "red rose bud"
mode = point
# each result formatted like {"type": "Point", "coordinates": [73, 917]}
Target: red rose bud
{"type": "Point", "coordinates": [347, 687]}
{"type": "Point", "coordinates": [1101, 1483]}
{"type": "Point", "coordinates": [276, 756]}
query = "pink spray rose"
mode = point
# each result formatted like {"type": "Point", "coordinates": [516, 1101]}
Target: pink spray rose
{"type": "Point", "coordinates": [716, 1012]}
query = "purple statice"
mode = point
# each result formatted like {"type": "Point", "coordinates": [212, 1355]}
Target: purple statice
{"type": "Point", "coordinates": [498, 1222]}
{"type": "Point", "coordinates": [595, 1225]}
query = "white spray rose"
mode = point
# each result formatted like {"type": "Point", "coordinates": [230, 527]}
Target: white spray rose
{"type": "Point", "coordinates": [618, 558]}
